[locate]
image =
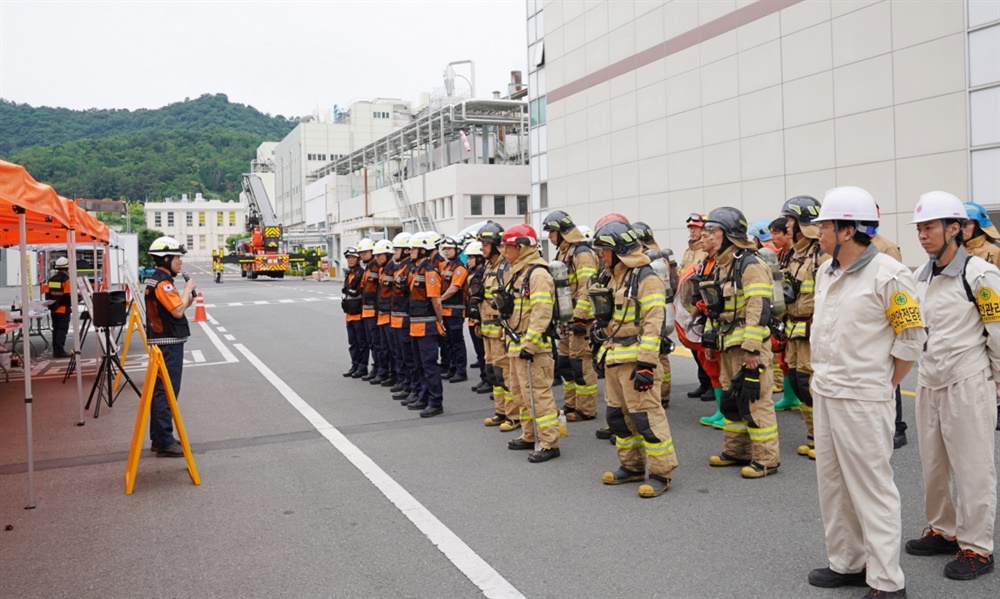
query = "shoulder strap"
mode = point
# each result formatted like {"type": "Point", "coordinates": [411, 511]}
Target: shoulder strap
{"type": "Point", "coordinates": [965, 281]}
{"type": "Point", "coordinates": [740, 264]}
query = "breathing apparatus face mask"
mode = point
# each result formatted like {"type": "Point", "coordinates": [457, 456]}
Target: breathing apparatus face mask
{"type": "Point", "coordinates": [603, 303]}
{"type": "Point", "coordinates": [711, 294]}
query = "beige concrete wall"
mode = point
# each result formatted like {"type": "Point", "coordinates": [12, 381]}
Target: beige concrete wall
{"type": "Point", "coordinates": [818, 94]}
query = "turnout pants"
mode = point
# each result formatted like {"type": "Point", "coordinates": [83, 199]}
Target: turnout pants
{"type": "Point", "coordinates": [798, 356]}
{"type": "Point", "coordinates": [357, 344]}
{"type": "Point", "coordinates": [858, 499]}
{"type": "Point", "coordinates": [161, 420]}
{"type": "Point", "coordinates": [546, 414]}
{"type": "Point", "coordinates": [480, 350]}
{"type": "Point", "coordinates": [741, 441]}
{"type": "Point", "coordinates": [425, 353]}
{"type": "Point", "coordinates": [579, 377]}
{"type": "Point", "coordinates": [956, 426]}
{"type": "Point", "coordinates": [638, 421]}
{"type": "Point", "coordinates": [498, 367]}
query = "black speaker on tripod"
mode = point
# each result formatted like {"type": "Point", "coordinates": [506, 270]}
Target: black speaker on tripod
{"type": "Point", "coordinates": [109, 309]}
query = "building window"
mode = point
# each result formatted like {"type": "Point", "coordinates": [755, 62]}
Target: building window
{"type": "Point", "coordinates": [476, 205]}
{"type": "Point", "coordinates": [219, 218]}
{"type": "Point", "coordinates": [190, 242]}
{"type": "Point", "coordinates": [201, 242]}
{"type": "Point", "coordinates": [543, 196]}
{"type": "Point", "coordinates": [201, 219]}
{"type": "Point", "coordinates": [522, 204]}
{"type": "Point", "coordinates": [220, 241]}
{"type": "Point", "coordinates": [157, 220]}
{"type": "Point", "coordinates": [189, 219]}
{"type": "Point", "coordinates": [232, 219]}
{"type": "Point", "coordinates": [170, 219]}
{"type": "Point", "coordinates": [499, 204]}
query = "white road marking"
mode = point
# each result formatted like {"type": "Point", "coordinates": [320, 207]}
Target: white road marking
{"type": "Point", "coordinates": [228, 355]}
{"type": "Point", "coordinates": [235, 303]}
{"type": "Point", "coordinates": [286, 301]}
{"type": "Point", "coordinates": [230, 337]}
{"type": "Point", "coordinates": [489, 581]}
{"type": "Point", "coordinates": [197, 356]}
{"type": "Point", "coordinates": [262, 302]}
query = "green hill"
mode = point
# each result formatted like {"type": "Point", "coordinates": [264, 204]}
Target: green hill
{"type": "Point", "coordinates": [200, 145]}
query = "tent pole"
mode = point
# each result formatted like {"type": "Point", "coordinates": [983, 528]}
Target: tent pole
{"type": "Point", "coordinates": [74, 303]}
{"type": "Point", "coordinates": [26, 347]}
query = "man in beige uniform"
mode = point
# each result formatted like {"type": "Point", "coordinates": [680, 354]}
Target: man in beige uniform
{"type": "Point", "coordinates": [631, 317]}
{"type": "Point", "coordinates": [526, 303]}
{"type": "Point", "coordinates": [867, 332]}
{"type": "Point", "coordinates": [575, 359]}
{"type": "Point", "coordinates": [958, 378]}
{"type": "Point", "coordinates": [497, 364]}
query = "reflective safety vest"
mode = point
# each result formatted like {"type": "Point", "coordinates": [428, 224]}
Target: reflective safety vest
{"type": "Point", "coordinates": [59, 292]}
{"type": "Point", "coordinates": [425, 283]}
{"type": "Point", "coordinates": [369, 288]}
{"type": "Point", "coordinates": [400, 301]}
{"type": "Point", "coordinates": [162, 327]}
{"type": "Point", "coordinates": [383, 303]}
{"type": "Point", "coordinates": [452, 270]}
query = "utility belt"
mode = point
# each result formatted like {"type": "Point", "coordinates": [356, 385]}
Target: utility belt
{"type": "Point", "coordinates": [628, 340]}
{"type": "Point", "coordinates": [492, 321]}
{"type": "Point", "coordinates": [423, 319]}
{"type": "Point", "coordinates": [454, 306]}
{"type": "Point", "coordinates": [368, 306]}
{"type": "Point", "coordinates": [395, 314]}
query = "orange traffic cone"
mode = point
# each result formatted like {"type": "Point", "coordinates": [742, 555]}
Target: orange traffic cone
{"type": "Point", "coordinates": [199, 310]}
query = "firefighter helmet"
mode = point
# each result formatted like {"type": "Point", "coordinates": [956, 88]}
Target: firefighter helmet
{"type": "Point", "coordinates": [613, 217]}
{"type": "Point", "coordinates": [166, 246]}
{"type": "Point", "coordinates": [558, 220]}
{"type": "Point", "coordinates": [382, 246]}
{"type": "Point", "coordinates": [731, 221]}
{"type": "Point", "coordinates": [520, 235]}
{"type": "Point", "coordinates": [760, 230]}
{"type": "Point", "coordinates": [643, 231]}
{"type": "Point", "coordinates": [491, 232]}
{"type": "Point", "coordinates": [62, 262]}
{"type": "Point", "coordinates": [695, 220]}
{"type": "Point", "coordinates": [804, 209]}
{"type": "Point", "coordinates": [977, 213]}
{"type": "Point", "coordinates": [616, 236]}
{"type": "Point", "coordinates": [401, 240]}
{"type": "Point", "coordinates": [451, 242]}
{"type": "Point", "coordinates": [425, 240]}
{"type": "Point", "coordinates": [366, 245]}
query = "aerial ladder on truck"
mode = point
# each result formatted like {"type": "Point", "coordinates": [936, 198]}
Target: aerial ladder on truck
{"type": "Point", "coordinates": [260, 253]}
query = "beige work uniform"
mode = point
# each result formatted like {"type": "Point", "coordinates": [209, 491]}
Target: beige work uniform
{"type": "Point", "coordinates": [633, 335]}
{"type": "Point", "coordinates": [693, 255]}
{"type": "Point", "coordinates": [802, 265]}
{"type": "Point", "coordinates": [956, 411]}
{"type": "Point", "coordinates": [530, 320]}
{"type": "Point", "coordinates": [495, 352]}
{"type": "Point", "coordinates": [740, 329]}
{"type": "Point", "coordinates": [579, 395]}
{"type": "Point", "coordinates": [853, 347]}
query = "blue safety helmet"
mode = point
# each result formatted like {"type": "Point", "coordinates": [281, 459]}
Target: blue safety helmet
{"type": "Point", "coordinates": [978, 214]}
{"type": "Point", "coordinates": [761, 230]}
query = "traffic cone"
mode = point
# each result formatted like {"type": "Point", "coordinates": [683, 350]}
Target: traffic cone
{"type": "Point", "coordinates": [199, 310]}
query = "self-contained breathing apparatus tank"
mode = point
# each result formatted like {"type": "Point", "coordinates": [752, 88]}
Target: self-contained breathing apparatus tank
{"type": "Point", "coordinates": [662, 269]}
{"type": "Point", "coordinates": [778, 292]}
{"type": "Point", "coordinates": [564, 298]}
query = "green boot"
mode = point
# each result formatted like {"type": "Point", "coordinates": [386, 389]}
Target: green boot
{"type": "Point", "coordinates": [788, 401]}
{"type": "Point", "coordinates": [716, 420]}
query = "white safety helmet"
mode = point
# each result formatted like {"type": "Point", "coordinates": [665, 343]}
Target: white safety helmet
{"type": "Point", "coordinates": [382, 246]}
{"type": "Point", "coordinates": [426, 240]}
{"type": "Point", "coordinates": [62, 262]}
{"type": "Point", "coordinates": [402, 240]}
{"type": "Point", "coordinates": [366, 245]}
{"type": "Point", "coordinates": [588, 233]}
{"type": "Point", "coordinates": [475, 248]}
{"type": "Point", "coordinates": [451, 242]}
{"type": "Point", "coordinates": [938, 205]}
{"type": "Point", "coordinates": [848, 203]}
{"type": "Point", "coordinates": [166, 246]}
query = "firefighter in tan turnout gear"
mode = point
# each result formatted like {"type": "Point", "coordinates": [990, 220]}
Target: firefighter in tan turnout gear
{"type": "Point", "coordinates": [575, 364]}
{"type": "Point", "coordinates": [738, 302]}
{"type": "Point", "coordinates": [525, 304]}
{"type": "Point", "coordinates": [799, 266]}
{"type": "Point", "coordinates": [630, 317]}
{"type": "Point", "coordinates": [505, 413]}
{"type": "Point", "coordinates": [665, 257]}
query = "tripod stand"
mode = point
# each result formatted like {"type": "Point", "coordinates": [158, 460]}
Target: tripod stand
{"type": "Point", "coordinates": [106, 376]}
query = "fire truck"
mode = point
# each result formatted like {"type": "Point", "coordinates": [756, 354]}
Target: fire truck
{"type": "Point", "coordinates": [260, 254]}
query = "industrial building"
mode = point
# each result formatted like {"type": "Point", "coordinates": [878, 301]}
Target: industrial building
{"type": "Point", "coordinates": [201, 225]}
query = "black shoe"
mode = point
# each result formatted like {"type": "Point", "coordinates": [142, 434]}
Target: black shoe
{"type": "Point", "coordinates": [369, 376]}
{"type": "Point", "coordinates": [931, 543]}
{"type": "Point", "coordinates": [604, 433]}
{"type": "Point", "coordinates": [543, 455]}
{"type": "Point", "coordinates": [61, 354]}
{"type": "Point", "coordinates": [173, 451]}
{"type": "Point", "coordinates": [899, 440]}
{"type": "Point", "coordinates": [389, 382]}
{"type": "Point", "coordinates": [556, 381]}
{"type": "Point", "coordinates": [349, 373]}
{"type": "Point", "coordinates": [417, 405]}
{"type": "Point", "coordinates": [828, 579]}
{"type": "Point", "coordinates": [520, 443]}
{"type": "Point", "coordinates": [413, 398]}
{"type": "Point", "coordinates": [378, 379]}
{"type": "Point", "coordinates": [401, 394]}
{"type": "Point", "coordinates": [877, 594]}
{"type": "Point", "coordinates": [474, 365]}
{"type": "Point", "coordinates": [458, 378]}
{"type": "Point", "coordinates": [708, 395]}
{"type": "Point", "coordinates": [483, 387]}
{"type": "Point", "coordinates": [360, 374]}
{"type": "Point", "coordinates": [698, 392]}
{"type": "Point", "coordinates": [396, 388]}
{"type": "Point", "coordinates": [431, 411]}
{"type": "Point", "coordinates": [968, 565]}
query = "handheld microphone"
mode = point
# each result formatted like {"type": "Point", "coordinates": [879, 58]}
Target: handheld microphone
{"type": "Point", "coordinates": [186, 276]}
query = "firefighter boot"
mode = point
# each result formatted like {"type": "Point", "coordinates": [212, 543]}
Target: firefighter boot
{"type": "Point", "coordinates": [805, 449]}
{"type": "Point", "coordinates": [510, 425]}
{"type": "Point", "coordinates": [655, 486]}
{"type": "Point", "coordinates": [716, 420]}
{"type": "Point", "coordinates": [788, 401]}
{"type": "Point", "coordinates": [495, 420]}
{"type": "Point", "coordinates": [604, 433]}
{"type": "Point", "coordinates": [622, 475]}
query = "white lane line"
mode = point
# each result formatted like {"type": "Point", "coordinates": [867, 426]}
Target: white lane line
{"type": "Point", "coordinates": [221, 329]}
{"type": "Point", "coordinates": [262, 302]}
{"type": "Point", "coordinates": [489, 581]}
{"type": "Point", "coordinates": [197, 355]}
{"type": "Point", "coordinates": [235, 303]}
{"type": "Point", "coordinates": [286, 301]}
{"type": "Point", "coordinates": [228, 355]}
{"type": "Point", "coordinates": [212, 320]}
{"type": "Point", "coordinates": [230, 337]}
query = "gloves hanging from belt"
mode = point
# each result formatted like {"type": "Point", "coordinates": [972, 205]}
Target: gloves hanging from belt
{"type": "Point", "coordinates": [579, 327]}
{"type": "Point", "coordinates": [751, 383]}
{"type": "Point", "coordinates": [526, 355]}
{"type": "Point", "coordinates": [642, 376]}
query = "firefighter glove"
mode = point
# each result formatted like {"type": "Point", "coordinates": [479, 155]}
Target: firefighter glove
{"type": "Point", "coordinates": [751, 384]}
{"type": "Point", "coordinates": [642, 376]}
{"type": "Point", "coordinates": [526, 355]}
{"type": "Point", "coordinates": [579, 327]}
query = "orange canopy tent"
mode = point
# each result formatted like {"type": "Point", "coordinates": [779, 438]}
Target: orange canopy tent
{"type": "Point", "coordinates": [32, 213]}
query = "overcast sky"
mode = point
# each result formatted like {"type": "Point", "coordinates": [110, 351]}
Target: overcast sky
{"type": "Point", "coordinates": [286, 57]}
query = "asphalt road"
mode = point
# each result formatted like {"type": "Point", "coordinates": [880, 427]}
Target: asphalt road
{"type": "Point", "coordinates": [291, 506]}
